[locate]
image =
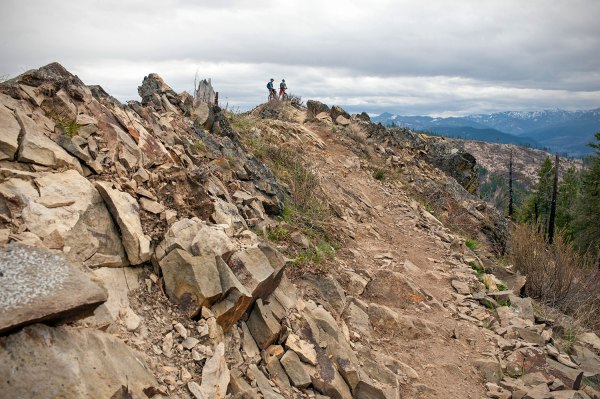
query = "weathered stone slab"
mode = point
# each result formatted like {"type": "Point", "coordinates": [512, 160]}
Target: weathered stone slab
{"type": "Point", "coordinates": [254, 271]}
{"type": "Point", "coordinates": [37, 148]}
{"type": "Point", "coordinates": [180, 235]}
{"type": "Point", "coordinates": [9, 134]}
{"type": "Point", "coordinates": [65, 211]}
{"type": "Point", "coordinates": [295, 370]}
{"type": "Point", "coordinates": [126, 211]}
{"type": "Point", "coordinates": [235, 299]}
{"type": "Point", "coordinates": [38, 285]}
{"type": "Point", "coordinates": [191, 281]}
{"type": "Point", "coordinates": [392, 289]}
{"type": "Point", "coordinates": [119, 282]}
{"type": "Point", "coordinates": [329, 289]}
{"type": "Point", "coordinates": [215, 376]}
{"type": "Point", "coordinates": [262, 325]}
{"type": "Point", "coordinates": [211, 240]}
{"type": "Point", "coordinates": [263, 383]}
{"type": "Point", "coordinates": [304, 349]}
{"type": "Point", "coordinates": [46, 362]}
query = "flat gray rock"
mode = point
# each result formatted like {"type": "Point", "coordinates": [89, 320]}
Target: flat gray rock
{"type": "Point", "coordinates": [38, 285]}
{"type": "Point", "coordinates": [62, 362]}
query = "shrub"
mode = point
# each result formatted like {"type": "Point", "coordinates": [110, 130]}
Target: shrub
{"type": "Point", "coordinates": [379, 174]}
{"type": "Point", "coordinates": [478, 269]}
{"type": "Point", "coordinates": [199, 145]}
{"type": "Point", "coordinates": [71, 127]}
{"type": "Point", "coordinates": [557, 275]}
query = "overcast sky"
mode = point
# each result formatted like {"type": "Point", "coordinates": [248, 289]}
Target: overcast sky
{"type": "Point", "coordinates": [434, 57]}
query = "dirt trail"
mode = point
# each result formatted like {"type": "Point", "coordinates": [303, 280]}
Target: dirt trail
{"type": "Point", "coordinates": [386, 237]}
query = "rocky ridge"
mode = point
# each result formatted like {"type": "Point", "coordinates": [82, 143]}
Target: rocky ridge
{"type": "Point", "coordinates": [92, 188]}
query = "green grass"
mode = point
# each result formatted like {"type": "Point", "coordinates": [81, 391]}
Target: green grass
{"type": "Point", "coordinates": [478, 269]}
{"type": "Point", "coordinates": [71, 127]}
{"type": "Point", "coordinates": [472, 244]}
{"type": "Point", "coordinates": [241, 123]}
{"type": "Point", "coordinates": [322, 252]}
{"type": "Point", "coordinates": [501, 287]}
{"type": "Point", "coordinates": [304, 209]}
{"type": "Point", "coordinates": [568, 339]}
{"type": "Point", "coordinates": [199, 145]}
{"type": "Point", "coordinates": [379, 174]}
{"type": "Point", "coordinates": [278, 234]}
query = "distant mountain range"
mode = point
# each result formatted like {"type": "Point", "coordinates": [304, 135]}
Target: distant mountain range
{"type": "Point", "coordinates": [558, 130]}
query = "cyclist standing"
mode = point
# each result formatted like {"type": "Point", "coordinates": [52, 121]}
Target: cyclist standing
{"type": "Point", "coordinates": [272, 91]}
{"type": "Point", "coordinates": [282, 88]}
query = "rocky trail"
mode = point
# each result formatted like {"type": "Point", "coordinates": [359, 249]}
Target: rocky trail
{"type": "Point", "coordinates": [139, 258]}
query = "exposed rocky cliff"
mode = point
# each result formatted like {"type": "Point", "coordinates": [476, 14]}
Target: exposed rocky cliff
{"type": "Point", "coordinates": [146, 253]}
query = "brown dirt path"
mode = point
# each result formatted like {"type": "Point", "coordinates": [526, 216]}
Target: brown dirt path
{"type": "Point", "coordinates": [444, 364]}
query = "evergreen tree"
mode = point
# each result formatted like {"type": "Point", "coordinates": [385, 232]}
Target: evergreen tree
{"type": "Point", "coordinates": [536, 208]}
{"type": "Point", "coordinates": [552, 217]}
{"type": "Point", "coordinates": [586, 224]}
{"type": "Point", "coordinates": [568, 196]}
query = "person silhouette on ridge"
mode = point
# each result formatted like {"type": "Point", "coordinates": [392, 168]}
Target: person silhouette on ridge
{"type": "Point", "coordinates": [271, 88]}
{"type": "Point", "coordinates": [282, 87]}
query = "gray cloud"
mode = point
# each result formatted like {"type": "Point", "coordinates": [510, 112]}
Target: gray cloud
{"type": "Point", "coordinates": [434, 57]}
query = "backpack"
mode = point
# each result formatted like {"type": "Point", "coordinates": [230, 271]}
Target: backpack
{"type": "Point", "coordinates": [269, 85]}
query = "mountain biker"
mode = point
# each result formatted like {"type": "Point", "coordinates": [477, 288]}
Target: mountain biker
{"type": "Point", "coordinates": [271, 88]}
{"type": "Point", "coordinates": [282, 87]}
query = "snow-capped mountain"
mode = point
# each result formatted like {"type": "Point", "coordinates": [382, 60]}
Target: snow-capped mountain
{"type": "Point", "coordinates": [559, 130]}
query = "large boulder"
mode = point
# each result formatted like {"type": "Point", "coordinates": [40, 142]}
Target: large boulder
{"type": "Point", "coordinates": [9, 132]}
{"type": "Point", "coordinates": [46, 362]}
{"type": "Point", "coordinates": [180, 235]}
{"type": "Point", "coordinates": [155, 91]}
{"type": "Point", "coordinates": [37, 148]}
{"type": "Point", "coordinates": [235, 298]}
{"type": "Point", "coordinates": [254, 270]}
{"type": "Point", "coordinates": [211, 240]}
{"type": "Point", "coordinates": [314, 108]}
{"type": "Point", "coordinates": [38, 285]}
{"type": "Point", "coordinates": [337, 111]}
{"type": "Point", "coordinates": [64, 209]}
{"type": "Point", "coordinates": [262, 325]}
{"type": "Point", "coordinates": [126, 211]}
{"type": "Point", "coordinates": [191, 281]}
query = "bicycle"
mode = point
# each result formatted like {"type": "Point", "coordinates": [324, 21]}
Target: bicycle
{"type": "Point", "coordinates": [284, 97]}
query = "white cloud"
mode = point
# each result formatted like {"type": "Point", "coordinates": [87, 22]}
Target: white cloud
{"type": "Point", "coordinates": [408, 56]}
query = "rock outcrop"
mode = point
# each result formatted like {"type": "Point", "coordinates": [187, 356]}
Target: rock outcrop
{"type": "Point", "coordinates": [164, 201]}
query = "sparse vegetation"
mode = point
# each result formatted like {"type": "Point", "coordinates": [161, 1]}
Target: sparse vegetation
{"type": "Point", "coordinates": [472, 244]}
{"type": "Point", "coordinates": [315, 256]}
{"type": "Point", "coordinates": [478, 269]}
{"type": "Point", "coordinates": [71, 127]}
{"type": "Point", "coordinates": [304, 210]}
{"type": "Point", "coordinates": [557, 275]}
{"type": "Point", "coordinates": [379, 174]}
{"type": "Point", "coordinates": [199, 145]}
{"type": "Point", "coordinates": [278, 233]}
